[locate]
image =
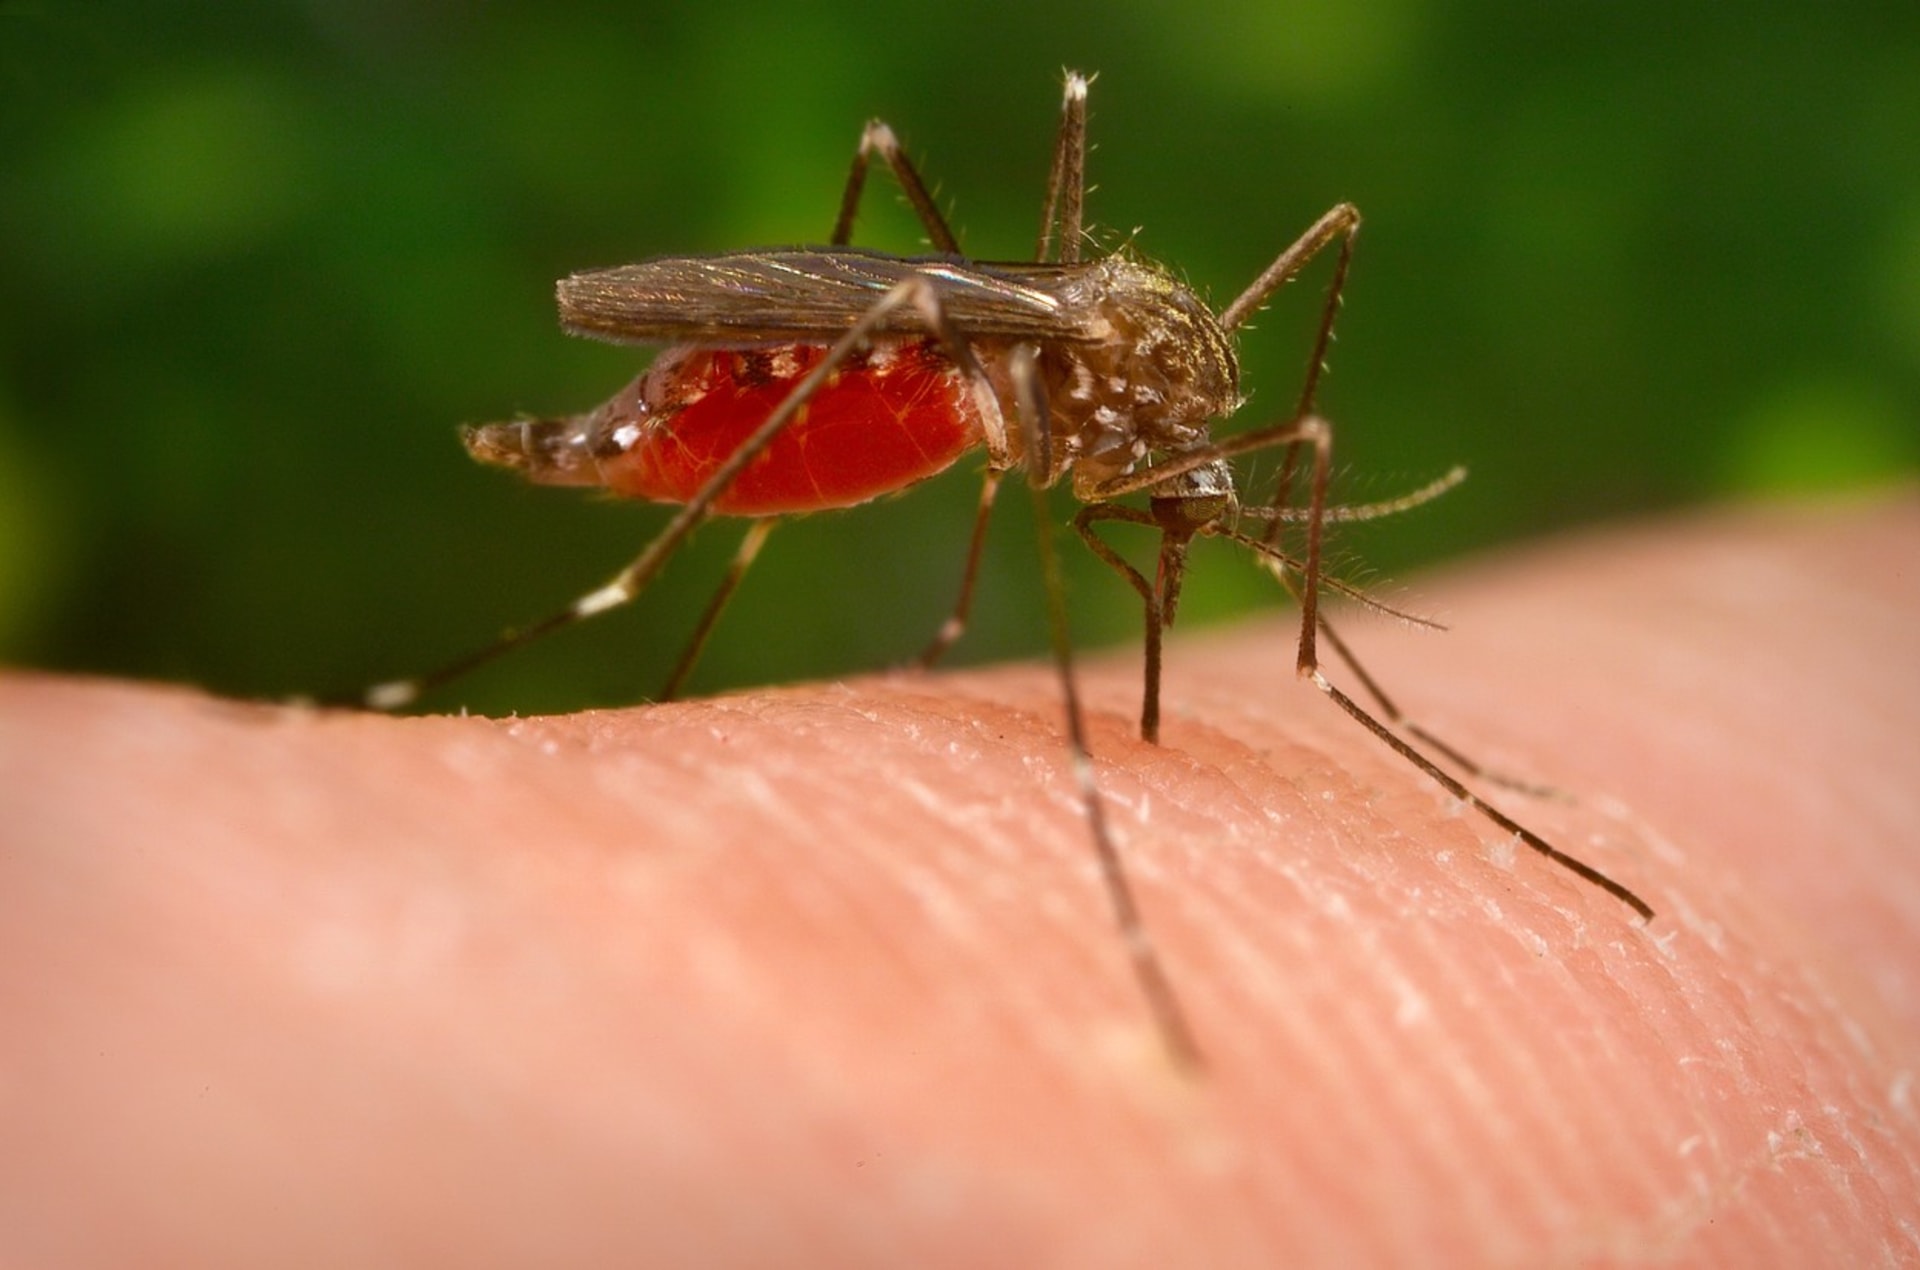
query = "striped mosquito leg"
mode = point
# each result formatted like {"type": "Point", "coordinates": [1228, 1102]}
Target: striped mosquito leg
{"type": "Point", "coordinates": [743, 558]}
{"type": "Point", "coordinates": [1318, 433]}
{"type": "Point", "coordinates": [1154, 623]}
{"type": "Point", "coordinates": [1280, 567]}
{"type": "Point", "coordinates": [1163, 1003]}
{"type": "Point", "coordinates": [879, 139]}
{"type": "Point", "coordinates": [1307, 664]}
{"type": "Point", "coordinates": [1062, 213]}
{"type": "Point", "coordinates": [1397, 718]}
{"type": "Point", "coordinates": [1341, 221]}
{"type": "Point", "coordinates": [1448, 782]}
{"type": "Point", "coordinates": [956, 624]}
{"type": "Point", "coordinates": [631, 581]}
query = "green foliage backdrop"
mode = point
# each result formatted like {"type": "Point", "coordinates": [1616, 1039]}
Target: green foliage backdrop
{"type": "Point", "coordinates": [256, 261]}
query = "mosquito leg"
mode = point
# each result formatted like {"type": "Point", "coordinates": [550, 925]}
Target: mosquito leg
{"type": "Point", "coordinates": [1143, 955]}
{"type": "Point", "coordinates": [1282, 568]}
{"type": "Point", "coordinates": [743, 558]}
{"type": "Point", "coordinates": [1279, 565]}
{"type": "Point", "coordinates": [1398, 719]}
{"type": "Point", "coordinates": [1161, 594]}
{"type": "Point", "coordinates": [999, 459]}
{"type": "Point", "coordinates": [1161, 597]}
{"type": "Point", "coordinates": [1061, 215]}
{"type": "Point", "coordinates": [956, 624]}
{"type": "Point", "coordinates": [1060, 218]}
{"type": "Point", "coordinates": [1320, 435]}
{"type": "Point", "coordinates": [632, 580]}
{"type": "Point", "coordinates": [1341, 221]}
{"type": "Point", "coordinates": [1283, 571]}
{"type": "Point", "coordinates": [1168, 1016]}
{"type": "Point", "coordinates": [1446, 781]}
{"type": "Point", "coordinates": [1155, 626]}
{"type": "Point", "coordinates": [1294, 432]}
{"type": "Point", "coordinates": [1311, 430]}
{"type": "Point", "coordinates": [879, 139]}
{"type": "Point", "coordinates": [1031, 401]}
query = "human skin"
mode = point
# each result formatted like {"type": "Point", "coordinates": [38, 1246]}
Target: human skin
{"type": "Point", "coordinates": [823, 975]}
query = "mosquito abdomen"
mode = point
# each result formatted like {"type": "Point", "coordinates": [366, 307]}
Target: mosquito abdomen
{"type": "Point", "coordinates": [893, 415]}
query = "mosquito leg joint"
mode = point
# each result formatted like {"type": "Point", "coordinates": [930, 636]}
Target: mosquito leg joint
{"type": "Point", "coordinates": [395, 694]}
{"type": "Point", "coordinates": [610, 596]}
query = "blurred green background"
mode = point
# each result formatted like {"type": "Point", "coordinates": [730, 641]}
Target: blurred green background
{"type": "Point", "coordinates": [257, 260]}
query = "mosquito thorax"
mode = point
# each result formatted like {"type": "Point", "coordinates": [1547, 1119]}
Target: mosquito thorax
{"type": "Point", "coordinates": [1159, 369]}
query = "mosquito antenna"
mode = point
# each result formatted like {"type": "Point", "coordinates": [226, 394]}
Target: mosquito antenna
{"type": "Point", "coordinates": [1348, 513]}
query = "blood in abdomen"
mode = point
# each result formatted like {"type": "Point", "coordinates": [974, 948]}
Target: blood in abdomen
{"type": "Point", "coordinates": [897, 414]}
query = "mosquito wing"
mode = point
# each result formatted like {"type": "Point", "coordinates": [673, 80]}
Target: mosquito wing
{"type": "Point", "coordinates": [810, 295]}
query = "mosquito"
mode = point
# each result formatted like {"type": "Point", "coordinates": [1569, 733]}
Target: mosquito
{"type": "Point", "coordinates": [811, 379]}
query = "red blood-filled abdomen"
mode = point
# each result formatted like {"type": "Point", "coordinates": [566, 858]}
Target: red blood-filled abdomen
{"type": "Point", "coordinates": [893, 416]}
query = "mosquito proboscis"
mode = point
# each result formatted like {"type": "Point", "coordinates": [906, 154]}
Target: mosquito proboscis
{"type": "Point", "coordinates": [810, 379]}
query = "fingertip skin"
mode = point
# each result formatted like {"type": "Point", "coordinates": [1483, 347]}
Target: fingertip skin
{"type": "Point", "coordinates": [836, 955]}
